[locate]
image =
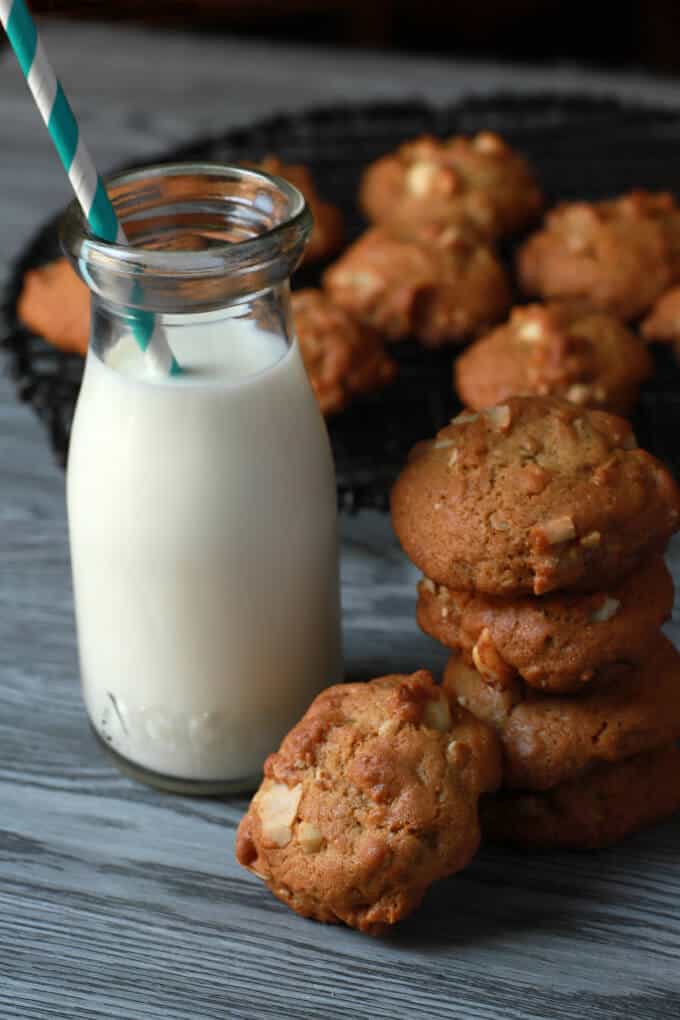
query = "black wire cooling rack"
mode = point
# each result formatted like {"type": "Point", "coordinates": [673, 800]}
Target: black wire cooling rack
{"type": "Point", "coordinates": [581, 148]}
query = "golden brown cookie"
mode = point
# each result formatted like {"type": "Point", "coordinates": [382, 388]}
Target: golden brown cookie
{"type": "Point", "coordinates": [530, 496]}
{"type": "Point", "coordinates": [343, 359]}
{"type": "Point", "coordinates": [589, 358]}
{"type": "Point", "coordinates": [328, 231]}
{"type": "Point", "coordinates": [592, 811]}
{"type": "Point", "coordinates": [558, 642]}
{"type": "Point", "coordinates": [55, 304]}
{"type": "Point", "coordinates": [437, 292]}
{"type": "Point", "coordinates": [620, 255]}
{"type": "Point", "coordinates": [370, 798]}
{"type": "Point", "coordinates": [479, 181]}
{"type": "Point", "coordinates": [549, 739]}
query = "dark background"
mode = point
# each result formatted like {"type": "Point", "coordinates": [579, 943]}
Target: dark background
{"type": "Point", "coordinates": [623, 34]}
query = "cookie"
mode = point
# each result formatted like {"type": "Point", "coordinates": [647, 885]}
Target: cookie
{"type": "Point", "coordinates": [343, 359]}
{"type": "Point", "coordinates": [478, 181]}
{"type": "Point", "coordinates": [436, 292]}
{"type": "Point", "coordinates": [328, 230]}
{"type": "Point", "coordinates": [530, 496]}
{"type": "Point", "coordinates": [54, 303]}
{"type": "Point", "coordinates": [549, 739]}
{"type": "Point", "coordinates": [559, 642]}
{"type": "Point", "coordinates": [620, 255]}
{"type": "Point", "coordinates": [370, 798]}
{"type": "Point", "coordinates": [589, 358]}
{"type": "Point", "coordinates": [592, 811]}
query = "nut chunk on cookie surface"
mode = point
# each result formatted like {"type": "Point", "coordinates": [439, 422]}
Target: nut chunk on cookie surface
{"type": "Point", "coordinates": [533, 495]}
{"type": "Point", "coordinates": [370, 798]}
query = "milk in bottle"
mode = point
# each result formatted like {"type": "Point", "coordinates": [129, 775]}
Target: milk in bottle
{"type": "Point", "coordinates": [202, 518]}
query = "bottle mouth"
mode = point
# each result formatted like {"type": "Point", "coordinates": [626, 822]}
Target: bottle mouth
{"type": "Point", "coordinates": [201, 236]}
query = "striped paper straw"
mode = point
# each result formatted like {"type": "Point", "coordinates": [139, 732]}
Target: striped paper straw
{"type": "Point", "coordinates": [87, 184]}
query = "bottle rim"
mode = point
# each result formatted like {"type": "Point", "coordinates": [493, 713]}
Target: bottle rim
{"type": "Point", "coordinates": [263, 219]}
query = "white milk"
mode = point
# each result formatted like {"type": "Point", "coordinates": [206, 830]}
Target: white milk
{"type": "Point", "coordinates": [203, 540]}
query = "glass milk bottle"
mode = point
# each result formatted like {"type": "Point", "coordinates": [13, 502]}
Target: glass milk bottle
{"type": "Point", "coordinates": [202, 507]}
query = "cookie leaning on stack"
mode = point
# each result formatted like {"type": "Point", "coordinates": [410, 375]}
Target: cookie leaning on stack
{"type": "Point", "coordinates": [539, 528]}
{"type": "Point", "coordinates": [371, 797]}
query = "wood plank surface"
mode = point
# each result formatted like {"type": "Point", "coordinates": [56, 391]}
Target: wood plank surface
{"type": "Point", "coordinates": [119, 902]}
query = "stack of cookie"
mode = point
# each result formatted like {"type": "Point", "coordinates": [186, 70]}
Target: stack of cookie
{"type": "Point", "coordinates": [540, 528]}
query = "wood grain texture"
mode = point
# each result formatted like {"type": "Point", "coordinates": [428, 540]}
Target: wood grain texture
{"type": "Point", "coordinates": [118, 902]}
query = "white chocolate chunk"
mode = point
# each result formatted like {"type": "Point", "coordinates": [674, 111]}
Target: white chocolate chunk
{"type": "Point", "coordinates": [500, 417]}
{"type": "Point", "coordinates": [607, 610]}
{"type": "Point", "coordinates": [388, 728]}
{"type": "Point", "coordinates": [560, 529]}
{"type": "Point", "coordinates": [309, 837]}
{"type": "Point", "coordinates": [277, 806]}
{"type": "Point", "coordinates": [530, 330]}
{"type": "Point", "coordinates": [421, 178]}
{"type": "Point", "coordinates": [437, 715]}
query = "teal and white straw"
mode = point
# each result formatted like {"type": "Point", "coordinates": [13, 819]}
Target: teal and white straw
{"type": "Point", "coordinates": [87, 184]}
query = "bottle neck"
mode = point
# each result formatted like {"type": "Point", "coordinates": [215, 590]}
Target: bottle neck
{"type": "Point", "coordinates": [202, 237]}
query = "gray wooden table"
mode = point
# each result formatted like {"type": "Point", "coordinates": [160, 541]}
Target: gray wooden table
{"type": "Point", "coordinates": [118, 902]}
